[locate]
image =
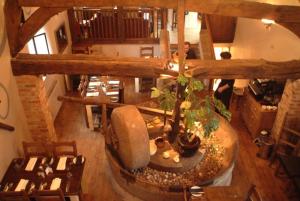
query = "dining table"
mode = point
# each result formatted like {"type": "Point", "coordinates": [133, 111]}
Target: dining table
{"type": "Point", "coordinates": [101, 88]}
{"type": "Point", "coordinates": [42, 173]}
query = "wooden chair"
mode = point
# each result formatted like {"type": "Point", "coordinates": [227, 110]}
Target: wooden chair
{"type": "Point", "coordinates": [49, 195]}
{"type": "Point", "coordinates": [64, 149]}
{"type": "Point", "coordinates": [252, 194]}
{"type": "Point", "coordinates": [14, 196]}
{"type": "Point", "coordinates": [32, 149]}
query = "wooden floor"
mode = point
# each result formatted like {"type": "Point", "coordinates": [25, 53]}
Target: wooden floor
{"type": "Point", "coordinates": [97, 180]}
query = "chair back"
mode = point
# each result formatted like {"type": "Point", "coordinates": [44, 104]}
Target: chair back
{"type": "Point", "coordinates": [64, 149]}
{"type": "Point", "coordinates": [49, 195]}
{"type": "Point", "coordinates": [252, 194]}
{"type": "Point", "coordinates": [14, 196]}
{"type": "Point", "coordinates": [32, 149]}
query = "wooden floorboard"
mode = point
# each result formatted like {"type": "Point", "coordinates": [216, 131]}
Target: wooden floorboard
{"type": "Point", "coordinates": [97, 182]}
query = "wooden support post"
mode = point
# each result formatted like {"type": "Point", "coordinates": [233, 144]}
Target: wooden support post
{"type": "Point", "coordinates": [13, 13]}
{"type": "Point", "coordinates": [181, 53]}
{"type": "Point", "coordinates": [165, 44]}
{"type": "Point", "coordinates": [155, 24]}
{"type": "Point", "coordinates": [74, 29]}
{"type": "Point", "coordinates": [104, 119]}
{"type": "Point", "coordinates": [206, 46]}
{"type": "Point", "coordinates": [164, 18]}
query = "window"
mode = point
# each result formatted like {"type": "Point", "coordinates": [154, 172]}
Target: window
{"type": "Point", "coordinates": [39, 44]}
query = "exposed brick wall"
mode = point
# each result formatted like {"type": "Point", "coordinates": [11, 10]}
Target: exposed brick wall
{"type": "Point", "coordinates": [288, 108]}
{"type": "Point", "coordinates": [33, 96]}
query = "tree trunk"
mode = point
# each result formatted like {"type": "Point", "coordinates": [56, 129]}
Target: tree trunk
{"type": "Point", "coordinates": [175, 126]}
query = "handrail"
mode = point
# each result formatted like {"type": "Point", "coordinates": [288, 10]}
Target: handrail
{"type": "Point", "coordinates": [6, 127]}
{"type": "Point", "coordinates": [114, 25]}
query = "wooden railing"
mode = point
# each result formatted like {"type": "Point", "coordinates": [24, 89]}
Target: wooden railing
{"type": "Point", "coordinates": [115, 25]}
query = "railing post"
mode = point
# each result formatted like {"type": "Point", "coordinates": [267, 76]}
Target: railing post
{"type": "Point", "coordinates": [121, 25]}
{"type": "Point", "coordinates": [75, 32]}
{"type": "Point", "coordinates": [155, 24]}
{"type": "Point", "coordinates": [164, 19]}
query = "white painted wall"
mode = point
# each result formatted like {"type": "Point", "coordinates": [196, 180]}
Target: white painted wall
{"type": "Point", "coordinates": [254, 41]}
{"type": "Point", "coordinates": [10, 142]}
{"type": "Point", "coordinates": [59, 88]}
{"type": "Point", "coordinates": [55, 83]}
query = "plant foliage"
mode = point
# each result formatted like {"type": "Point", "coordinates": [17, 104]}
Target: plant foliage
{"type": "Point", "coordinates": [195, 110]}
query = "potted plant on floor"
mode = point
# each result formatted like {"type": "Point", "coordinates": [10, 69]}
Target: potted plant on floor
{"type": "Point", "coordinates": [199, 118]}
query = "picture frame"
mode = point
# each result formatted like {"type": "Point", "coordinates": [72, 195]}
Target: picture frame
{"type": "Point", "coordinates": [61, 38]}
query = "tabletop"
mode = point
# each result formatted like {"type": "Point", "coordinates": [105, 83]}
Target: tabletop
{"type": "Point", "coordinates": [70, 177]}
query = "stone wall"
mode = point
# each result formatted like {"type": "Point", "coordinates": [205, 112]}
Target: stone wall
{"type": "Point", "coordinates": [32, 93]}
{"type": "Point", "coordinates": [288, 108]}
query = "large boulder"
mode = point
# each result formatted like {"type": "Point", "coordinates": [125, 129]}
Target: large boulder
{"type": "Point", "coordinates": [131, 132]}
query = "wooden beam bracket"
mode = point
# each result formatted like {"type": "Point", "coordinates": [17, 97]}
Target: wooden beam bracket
{"type": "Point", "coordinates": [20, 33]}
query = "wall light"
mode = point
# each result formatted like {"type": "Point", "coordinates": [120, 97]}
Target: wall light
{"type": "Point", "coordinates": [268, 23]}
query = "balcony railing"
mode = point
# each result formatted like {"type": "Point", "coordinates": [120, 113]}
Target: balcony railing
{"type": "Point", "coordinates": [115, 25]}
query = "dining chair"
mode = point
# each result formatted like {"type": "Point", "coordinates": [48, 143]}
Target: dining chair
{"type": "Point", "coordinates": [48, 195]}
{"type": "Point", "coordinates": [64, 148]}
{"type": "Point", "coordinates": [32, 149]}
{"type": "Point", "coordinates": [14, 196]}
{"type": "Point", "coordinates": [252, 194]}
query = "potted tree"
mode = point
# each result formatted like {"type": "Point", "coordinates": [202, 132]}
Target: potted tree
{"type": "Point", "coordinates": [199, 118]}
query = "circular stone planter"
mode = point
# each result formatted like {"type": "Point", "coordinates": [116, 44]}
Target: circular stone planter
{"type": "Point", "coordinates": [149, 191]}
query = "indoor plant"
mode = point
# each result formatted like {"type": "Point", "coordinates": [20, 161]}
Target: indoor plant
{"type": "Point", "coordinates": [198, 114]}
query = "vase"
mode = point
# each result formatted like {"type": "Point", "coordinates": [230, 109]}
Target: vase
{"type": "Point", "coordinates": [186, 148]}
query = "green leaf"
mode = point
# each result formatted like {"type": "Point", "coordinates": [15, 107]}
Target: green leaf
{"type": "Point", "coordinates": [182, 80]}
{"type": "Point", "coordinates": [210, 126]}
{"type": "Point", "coordinates": [222, 109]}
{"type": "Point", "coordinates": [197, 85]}
{"type": "Point", "coordinates": [155, 92]}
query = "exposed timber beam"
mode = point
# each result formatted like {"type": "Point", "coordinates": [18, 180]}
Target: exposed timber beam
{"type": "Point", "coordinates": [240, 69]}
{"type": "Point", "coordinates": [238, 8]}
{"type": "Point", "coordinates": [13, 15]}
{"type": "Point", "coordinates": [26, 64]}
{"type": "Point", "coordinates": [20, 34]}
{"type": "Point", "coordinates": [97, 101]}
{"type": "Point", "coordinates": [33, 24]}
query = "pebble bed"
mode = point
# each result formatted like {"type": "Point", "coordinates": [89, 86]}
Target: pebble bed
{"type": "Point", "coordinates": [207, 169]}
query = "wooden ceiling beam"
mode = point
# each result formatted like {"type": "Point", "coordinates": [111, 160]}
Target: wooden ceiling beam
{"type": "Point", "coordinates": [20, 34]}
{"type": "Point", "coordinates": [33, 24]}
{"type": "Point", "coordinates": [26, 64]}
{"type": "Point", "coordinates": [238, 8]}
{"type": "Point", "coordinates": [244, 69]}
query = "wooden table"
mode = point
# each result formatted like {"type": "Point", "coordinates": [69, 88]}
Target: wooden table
{"type": "Point", "coordinates": [220, 193]}
{"type": "Point", "coordinates": [70, 179]}
{"type": "Point", "coordinates": [102, 95]}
